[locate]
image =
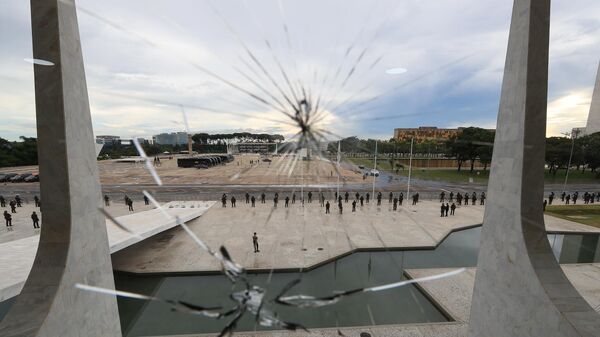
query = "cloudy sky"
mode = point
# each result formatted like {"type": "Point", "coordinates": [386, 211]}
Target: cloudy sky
{"type": "Point", "coordinates": [146, 60]}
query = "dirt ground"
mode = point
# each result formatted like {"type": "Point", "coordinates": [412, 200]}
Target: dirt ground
{"type": "Point", "coordinates": [246, 169]}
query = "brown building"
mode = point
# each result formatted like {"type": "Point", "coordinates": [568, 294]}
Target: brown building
{"type": "Point", "coordinates": [424, 133]}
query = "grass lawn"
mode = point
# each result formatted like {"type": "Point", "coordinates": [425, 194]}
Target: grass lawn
{"type": "Point", "coordinates": [478, 176]}
{"type": "Point", "coordinates": [585, 214]}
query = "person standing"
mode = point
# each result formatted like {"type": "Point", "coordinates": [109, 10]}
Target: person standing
{"type": "Point", "coordinates": [224, 200]}
{"type": "Point", "coordinates": [275, 200]}
{"type": "Point", "coordinates": [106, 200]}
{"type": "Point", "coordinates": [327, 207]}
{"type": "Point", "coordinates": [340, 205]}
{"type": "Point", "coordinates": [451, 196]}
{"type": "Point", "coordinates": [544, 205]}
{"type": "Point", "coordinates": [482, 198]}
{"type": "Point", "coordinates": [390, 197]}
{"type": "Point", "coordinates": [287, 201]}
{"type": "Point", "coordinates": [146, 200]}
{"type": "Point", "coordinates": [356, 195]}
{"type": "Point", "coordinates": [368, 197]}
{"type": "Point", "coordinates": [362, 200]}
{"type": "Point", "coordinates": [452, 209]}
{"type": "Point", "coordinates": [378, 198]}
{"type": "Point", "coordinates": [255, 242]}
{"type": "Point", "coordinates": [446, 209]}
{"type": "Point", "coordinates": [395, 204]}
{"type": "Point", "coordinates": [247, 198]}
{"type": "Point", "coordinates": [36, 201]}
{"type": "Point", "coordinates": [130, 204]}
{"type": "Point", "coordinates": [442, 209]}
{"type": "Point", "coordinates": [253, 200]}
{"type": "Point", "coordinates": [568, 199]}
{"type": "Point", "coordinates": [575, 196]}
{"type": "Point", "coordinates": [13, 206]}
{"type": "Point", "coordinates": [262, 198]}
{"type": "Point", "coordinates": [346, 196]}
{"type": "Point", "coordinates": [459, 198]}
{"type": "Point", "coordinates": [473, 199]}
{"type": "Point", "coordinates": [35, 219]}
{"type": "Point", "coordinates": [322, 200]}
{"type": "Point", "coordinates": [353, 205]}
{"type": "Point", "coordinates": [293, 198]}
{"type": "Point", "coordinates": [233, 201]}
{"type": "Point", "coordinates": [8, 219]}
{"type": "Point", "coordinates": [309, 197]}
{"type": "Point", "coordinates": [401, 198]}
{"type": "Point", "coordinates": [18, 200]}
{"type": "Point", "coordinates": [442, 196]}
{"type": "Point", "coordinates": [2, 201]}
{"type": "Point", "coordinates": [562, 196]}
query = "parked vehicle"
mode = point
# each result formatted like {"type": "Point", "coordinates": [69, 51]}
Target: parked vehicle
{"type": "Point", "coordinates": [32, 178]}
{"type": "Point", "coordinates": [7, 176]}
{"type": "Point", "coordinates": [374, 172]}
{"type": "Point", "coordinates": [19, 178]}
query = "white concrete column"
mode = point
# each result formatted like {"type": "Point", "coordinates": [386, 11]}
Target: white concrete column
{"type": "Point", "coordinates": [593, 121]}
{"type": "Point", "coordinates": [73, 242]}
{"type": "Point", "coordinates": [520, 289]}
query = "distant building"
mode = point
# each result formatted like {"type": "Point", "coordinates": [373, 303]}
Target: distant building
{"type": "Point", "coordinates": [252, 147]}
{"type": "Point", "coordinates": [173, 138]}
{"type": "Point", "coordinates": [108, 140]}
{"type": "Point", "coordinates": [424, 133]}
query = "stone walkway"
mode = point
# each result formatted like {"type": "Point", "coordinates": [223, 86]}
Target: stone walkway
{"type": "Point", "coordinates": [16, 257]}
{"type": "Point", "coordinates": [303, 237]}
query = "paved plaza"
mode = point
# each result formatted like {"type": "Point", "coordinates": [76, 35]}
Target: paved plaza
{"type": "Point", "coordinates": [246, 169]}
{"type": "Point", "coordinates": [303, 237]}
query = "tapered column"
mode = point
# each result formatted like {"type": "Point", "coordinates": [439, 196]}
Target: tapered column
{"type": "Point", "coordinates": [73, 241]}
{"type": "Point", "coordinates": [520, 289]}
{"type": "Point", "coordinates": [593, 122]}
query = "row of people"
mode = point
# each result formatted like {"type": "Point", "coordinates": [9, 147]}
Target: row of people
{"type": "Point", "coordinates": [460, 198]}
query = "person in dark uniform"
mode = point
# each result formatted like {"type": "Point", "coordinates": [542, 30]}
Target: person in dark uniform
{"type": "Point", "coordinates": [417, 197]}
{"type": "Point", "coordinates": [353, 205]}
{"type": "Point", "coordinates": [568, 199]}
{"type": "Point", "coordinates": [255, 242]}
{"type": "Point", "coordinates": [442, 196]}
{"type": "Point", "coordinates": [368, 197]}
{"type": "Point", "coordinates": [459, 198]}
{"type": "Point", "coordinates": [106, 200]}
{"type": "Point", "coordinates": [340, 198]}
{"type": "Point", "coordinates": [340, 205]}
{"type": "Point", "coordinates": [551, 197]}
{"type": "Point", "coordinates": [322, 200]}
{"type": "Point", "coordinates": [293, 198]}
{"type": "Point", "coordinates": [35, 219]}
{"type": "Point", "coordinates": [442, 209]}
{"type": "Point", "coordinates": [2, 201]}
{"type": "Point", "coordinates": [327, 207]}
{"type": "Point", "coordinates": [130, 204]}
{"type": "Point", "coordinates": [36, 201]}
{"type": "Point", "coordinates": [575, 196]}
{"type": "Point", "coordinates": [146, 200]}
{"type": "Point", "coordinates": [378, 198]}
{"type": "Point", "coordinates": [275, 200]}
{"type": "Point", "coordinates": [362, 199]}
{"type": "Point", "coordinates": [18, 200]}
{"type": "Point", "coordinates": [562, 196]}
{"type": "Point", "coordinates": [401, 198]}
{"type": "Point", "coordinates": [452, 208]}
{"type": "Point", "coordinates": [262, 198]}
{"type": "Point", "coordinates": [474, 199]}
{"type": "Point", "coordinates": [544, 205]}
{"type": "Point", "coordinates": [287, 201]}
{"type": "Point", "coordinates": [224, 200]}
{"type": "Point", "coordinates": [390, 197]}
{"type": "Point", "coordinates": [357, 195]}
{"type": "Point", "coordinates": [309, 197]}
{"type": "Point", "coordinates": [8, 219]}
{"type": "Point", "coordinates": [466, 199]}
{"type": "Point", "coordinates": [233, 201]}
{"type": "Point", "coordinates": [395, 204]}
{"type": "Point", "coordinates": [451, 196]}
{"type": "Point", "coordinates": [253, 200]}
{"type": "Point", "coordinates": [446, 209]}
{"type": "Point", "coordinates": [13, 206]}
{"type": "Point", "coordinates": [482, 198]}
{"type": "Point", "coordinates": [247, 198]}
{"type": "Point", "coordinates": [346, 196]}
